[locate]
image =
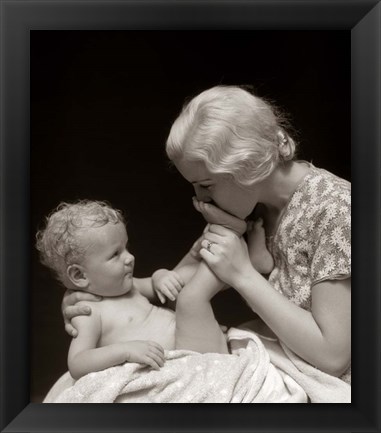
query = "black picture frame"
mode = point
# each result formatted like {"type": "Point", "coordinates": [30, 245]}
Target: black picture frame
{"type": "Point", "coordinates": [18, 18]}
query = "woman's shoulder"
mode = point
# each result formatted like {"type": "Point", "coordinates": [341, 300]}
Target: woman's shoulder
{"type": "Point", "coordinates": [321, 187]}
{"type": "Point", "coordinates": [323, 200]}
{"type": "Point", "coordinates": [327, 178]}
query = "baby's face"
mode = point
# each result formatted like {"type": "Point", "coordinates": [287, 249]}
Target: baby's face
{"type": "Point", "coordinates": [107, 264]}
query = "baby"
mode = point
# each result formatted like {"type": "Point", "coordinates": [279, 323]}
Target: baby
{"type": "Point", "coordinates": [85, 243]}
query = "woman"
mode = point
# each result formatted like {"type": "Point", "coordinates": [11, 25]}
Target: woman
{"type": "Point", "coordinates": [235, 150]}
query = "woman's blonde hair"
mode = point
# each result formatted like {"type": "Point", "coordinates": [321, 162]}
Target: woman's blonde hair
{"type": "Point", "coordinates": [232, 131]}
{"type": "Point", "coordinates": [59, 243]}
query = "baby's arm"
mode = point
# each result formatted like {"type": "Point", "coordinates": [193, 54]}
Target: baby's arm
{"type": "Point", "coordinates": [163, 284]}
{"type": "Point", "coordinates": [85, 357]}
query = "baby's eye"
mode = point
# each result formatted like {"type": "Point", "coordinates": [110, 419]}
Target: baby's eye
{"type": "Point", "coordinates": [206, 186]}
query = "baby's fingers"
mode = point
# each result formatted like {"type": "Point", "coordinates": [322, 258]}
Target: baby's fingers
{"type": "Point", "coordinates": [177, 285]}
{"type": "Point", "coordinates": [151, 362]}
{"type": "Point", "coordinates": [160, 296]}
{"type": "Point", "coordinates": [157, 357]}
{"type": "Point", "coordinates": [178, 278]}
{"type": "Point", "coordinates": [154, 345]}
{"type": "Point", "coordinates": [170, 293]}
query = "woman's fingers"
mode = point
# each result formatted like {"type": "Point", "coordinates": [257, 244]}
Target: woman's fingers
{"type": "Point", "coordinates": [75, 310]}
{"type": "Point", "coordinates": [213, 237]}
{"type": "Point", "coordinates": [206, 229]}
{"type": "Point", "coordinates": [220, 230]}
{"type": "Point", "coordinates": [196, 204]}
{"type": "Point", "coordinates": [72, 297]}
{"type": "Point", "coordinates": [70, 330]}
{"type": "Point", "coordinates": [208, 256]}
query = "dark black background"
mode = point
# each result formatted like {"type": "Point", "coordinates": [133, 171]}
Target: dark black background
{"type": "Point", "coordinates": [102, 104]}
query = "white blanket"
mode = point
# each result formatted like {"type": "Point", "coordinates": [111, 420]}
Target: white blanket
{"type": "Point", "coordinates": [245, 376]}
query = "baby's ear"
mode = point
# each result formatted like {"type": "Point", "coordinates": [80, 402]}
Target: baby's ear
{"type": "Point", "coordinates": [77, 276]}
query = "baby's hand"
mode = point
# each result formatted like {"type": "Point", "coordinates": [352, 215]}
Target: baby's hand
{"type": "Point", "coordinates": [167, 284]}
{"type": "Point", "coordinates": [145, 352]}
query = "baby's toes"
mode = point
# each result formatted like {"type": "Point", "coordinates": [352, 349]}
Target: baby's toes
{"type": "Point", "coordinates": [257, 231]}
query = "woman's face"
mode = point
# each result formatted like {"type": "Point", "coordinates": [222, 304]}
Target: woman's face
{"type": "Point", "coordinates": [219, 189]}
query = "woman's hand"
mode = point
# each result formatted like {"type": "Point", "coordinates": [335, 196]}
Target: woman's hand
{"type": "Point", "coordinates": [226, 254]}
{"type": "Point", "coordinates": [167, 284]}
{"type": "Point", "coordinates": [70, 310]}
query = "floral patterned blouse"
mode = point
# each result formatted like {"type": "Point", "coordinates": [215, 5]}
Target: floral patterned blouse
{"type": "Point", "coordinates": [312, 242]}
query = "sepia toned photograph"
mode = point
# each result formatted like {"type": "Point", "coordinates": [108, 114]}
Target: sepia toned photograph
{"type": "Point", "coordinates": [190, 216]}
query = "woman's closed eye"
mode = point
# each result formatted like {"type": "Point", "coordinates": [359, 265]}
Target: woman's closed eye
{"type": "Point", "coordinates": [115, 254]}
{"type": "Point", "coordinates": [208, 187]}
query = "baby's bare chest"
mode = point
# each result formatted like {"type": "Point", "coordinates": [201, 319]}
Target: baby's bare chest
{"type": "Point", "coordinates": [134, 320]}
{"type": "Point", "coordinates": [120, 314]}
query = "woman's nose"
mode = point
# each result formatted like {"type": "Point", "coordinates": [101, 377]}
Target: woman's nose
{"type": "Point", "coordinates": [129, 259]}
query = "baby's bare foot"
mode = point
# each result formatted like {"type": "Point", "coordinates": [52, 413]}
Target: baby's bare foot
{"type": "Point", "coordinates": [215, 215]}
{"type": "Point", "coordinates": [259, 254]}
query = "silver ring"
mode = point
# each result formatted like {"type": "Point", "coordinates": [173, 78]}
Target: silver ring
{"type": "Point", "coordinates": [209, 246]}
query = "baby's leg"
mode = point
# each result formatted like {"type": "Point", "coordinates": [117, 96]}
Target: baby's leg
{"type": "Point", "coordinates": [196, 327]}
{"type": "Point", "coordinates": [259, 255]}
{"type": "Point", "coordinates": [214, 215]}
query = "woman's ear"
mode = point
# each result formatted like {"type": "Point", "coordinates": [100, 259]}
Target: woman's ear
{"type": "Point", "coordinates": [77, 276]}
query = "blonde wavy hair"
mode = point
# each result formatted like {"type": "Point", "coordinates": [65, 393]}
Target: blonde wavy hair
{"type": "Point", "coordinates": [59, 243]}
{"type": "Point", "coordinates": [232, 131]}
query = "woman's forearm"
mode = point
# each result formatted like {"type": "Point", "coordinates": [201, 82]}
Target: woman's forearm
{"type": "Point", "coordinates": [92, 360]}
{"type": "Point", "coordinates": [294, 326]}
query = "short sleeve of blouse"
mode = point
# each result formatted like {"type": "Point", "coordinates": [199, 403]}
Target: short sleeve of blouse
{"type": "Point", "coordinates": [332, 253]}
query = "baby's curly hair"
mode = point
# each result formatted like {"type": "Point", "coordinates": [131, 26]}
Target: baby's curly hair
{"type": "Point", "coordinates": [58, 242]}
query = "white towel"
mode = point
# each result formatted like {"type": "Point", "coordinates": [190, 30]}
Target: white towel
{"type": "Point", "coordinates": [245, 376]}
